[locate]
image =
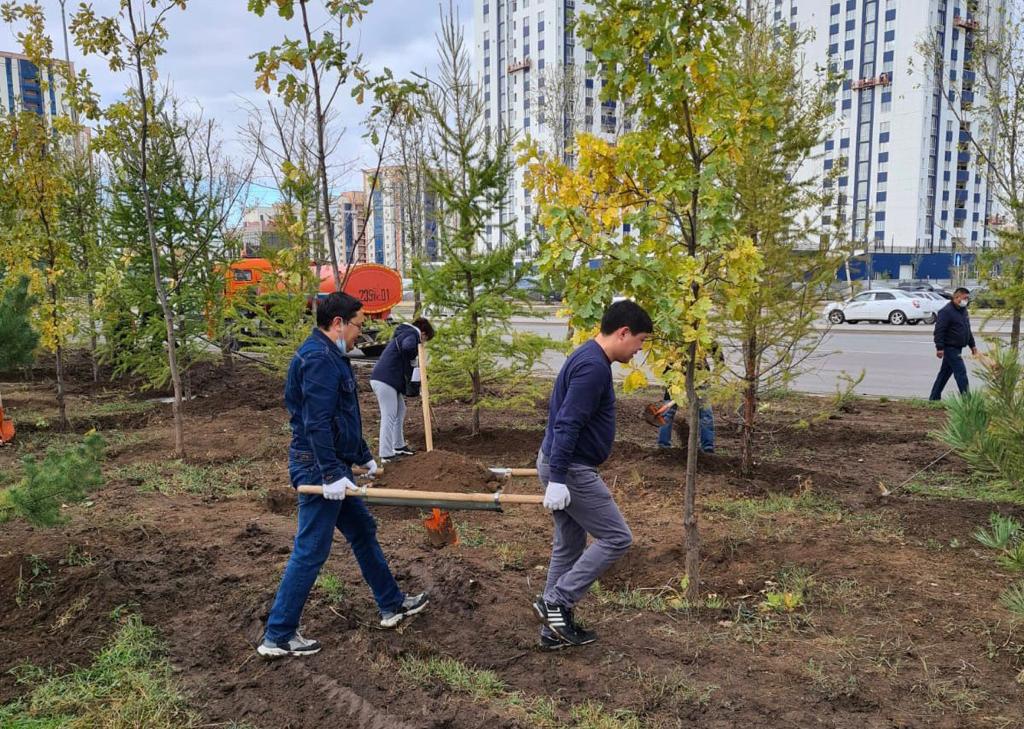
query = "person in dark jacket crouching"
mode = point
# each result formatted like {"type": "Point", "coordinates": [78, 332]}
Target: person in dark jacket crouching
{"type": "Point", "coordinates": [390, 379]}
{"type": "Point", "coordinates": [327, 439]}
{"type": "Point", "coordinates": [952, 334]}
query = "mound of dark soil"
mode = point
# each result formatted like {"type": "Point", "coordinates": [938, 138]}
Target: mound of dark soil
{"type": "Point", "coordinates": [438, 471]}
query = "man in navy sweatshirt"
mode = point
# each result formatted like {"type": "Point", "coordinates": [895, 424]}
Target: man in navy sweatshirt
{"type": "Point", "coordinates": [952, 334]}
{"type": "Point", "coordinates": [578, 439]}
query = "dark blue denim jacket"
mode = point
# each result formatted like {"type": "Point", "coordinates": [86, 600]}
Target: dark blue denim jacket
{"type": "Point", "coordinates": [323, 403]}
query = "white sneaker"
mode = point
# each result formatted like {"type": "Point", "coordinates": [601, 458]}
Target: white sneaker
{"type": "Point", "coordinates": [297, 646]}
{"type": "Point", "coordinates": [410, 606]}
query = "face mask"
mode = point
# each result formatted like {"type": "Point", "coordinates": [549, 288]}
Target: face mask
{"type": "Point", "coordinates": [963, 304]}
{"type": "Point", "coordinates": [343, 346]}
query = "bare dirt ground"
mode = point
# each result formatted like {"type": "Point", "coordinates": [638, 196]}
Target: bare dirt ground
{"type": "Point", "coordinates": [899, 624]}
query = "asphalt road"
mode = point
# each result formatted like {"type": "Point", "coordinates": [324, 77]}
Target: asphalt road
{"type": "Point", "coordinates": [897, 361]}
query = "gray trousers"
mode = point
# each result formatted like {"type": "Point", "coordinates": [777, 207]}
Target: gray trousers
{"type": "Point", "coordinates": [392, 417]}
{"type": "Point", "coordinates": [592, 510]}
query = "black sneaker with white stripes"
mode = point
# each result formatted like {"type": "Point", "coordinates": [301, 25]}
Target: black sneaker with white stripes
{"type": "Point", "coordinates": [559, 620]}
{"type": "Point", "coordinates": [405, 451]}
{"type": "Point", "coordinates": [549, 641]}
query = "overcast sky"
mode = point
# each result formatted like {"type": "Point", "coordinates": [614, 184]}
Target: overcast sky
{"type": "Point", "coordinates": [207, 59]}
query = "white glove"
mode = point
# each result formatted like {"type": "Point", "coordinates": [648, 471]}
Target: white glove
{"type": "Point", "coordinates": [556, 496]}
{"type": "Point", "coordinates": [336, 490]}
{"type": "Point", "coordinates": [371, 468]}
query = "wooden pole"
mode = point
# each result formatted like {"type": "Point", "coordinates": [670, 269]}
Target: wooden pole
{"type": "Point", "coordinates": [513, 472]}
{"type": "Point", "coordinates": [496, 498]}
{"type": "Point", "coordinates": [428, 430]}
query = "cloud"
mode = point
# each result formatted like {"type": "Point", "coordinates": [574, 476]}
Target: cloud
{"type": "Point", "coordinates": [207, 60]}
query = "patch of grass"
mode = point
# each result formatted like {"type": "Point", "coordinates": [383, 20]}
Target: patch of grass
{"type": "Point", "coordinates": [675, 690]}
{"type": "Point", "coordinates": [486, 687]}
{"type": "Point", "coordinates": [511, 556]}
{"type": "Point", "coordinates": [70, 613]}
{"type": "Point", "coordinates": [1012, 598]}
{"type": "Point", "coordinates": [10, 476]}
{"type": "Point", "coordinates": [965, 488]}
{"type": "Point", "coordinates": [454, 674]}
{"type": "Point", "coordinates": [831, 684]}
{"type": "Point", "coordinates": [957, 694]}
{"type": "Point", "coordinates": [168, 477]}
{"type": "Point", "coordinates": [592, 715]}
{"type": "Point", "coordinates": [1003, 532]}
{"type": "Point", "coordinates": [920, 402]}
{"type": "Point", "coordinates": [128, 685]}
{"type": "Point", "coordinates": [471, 536]}
{"type": "Point", "coordinates": [77, 557]}
{"type": "Point", "coordinates": [773, 504]}
{"type": "Point", "coordinates": [644, 598]}
{"type": "Point", "coordinates": [789, 592]}
{"type": "Point", "coordinates": [657, 599]}
{"type": "Point", "coordinates": [33, 583]}
{"type": "Point", "coordinates": [118, 406]}
{"type": "Point", "coordinates": [332, 588]}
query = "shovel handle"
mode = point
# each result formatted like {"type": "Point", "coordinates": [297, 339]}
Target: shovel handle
{"type": "Point", "coordinates": [410, 494]}
{"type": "Point", "coordinates": [513, 472]}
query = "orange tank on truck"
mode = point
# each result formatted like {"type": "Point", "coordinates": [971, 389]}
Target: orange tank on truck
{"type": "Point", "coordinates": [378, 287]}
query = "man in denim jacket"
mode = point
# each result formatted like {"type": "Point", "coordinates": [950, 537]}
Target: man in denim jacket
{"type": "Point", "coordinates": [327, 439]}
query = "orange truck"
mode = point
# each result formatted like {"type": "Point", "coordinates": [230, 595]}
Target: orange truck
{"type": "Point", "coordinates": [378, 287]}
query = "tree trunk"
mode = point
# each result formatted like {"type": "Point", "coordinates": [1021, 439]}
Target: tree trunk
{"type": "Point", "coordinates": [93, 339]}
{"type": "Point", "coordinates": [321, 154]}
{"type": "Point", "coordinates": [749, 404]}
{"type": "Point", "coordinates": [1015, 330]}
{"type": "Point", "coordinates": [172, 355]}
{"type": "Point", "coordinates": [690, 532]}
{"type": "Point", "coordinates": [62, 412]}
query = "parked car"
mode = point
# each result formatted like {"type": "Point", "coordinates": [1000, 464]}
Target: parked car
{"type": "Point", "coordinates": [536, 291]}
{"type": "Point", "coordinates": [925, 286]}
{"type": "Point", "coordinates": [881, 305]}
{"type": "Point", "coordinates": [931, 301]}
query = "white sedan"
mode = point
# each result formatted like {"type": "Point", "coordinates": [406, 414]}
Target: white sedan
{"type": "Point", "coordinates": [882, 305]}
{"type": "Point", "coordinates": [931, 302]}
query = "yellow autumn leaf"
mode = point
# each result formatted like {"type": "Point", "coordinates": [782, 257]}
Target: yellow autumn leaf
{"type": "Point", "coordinates": [635, 380]}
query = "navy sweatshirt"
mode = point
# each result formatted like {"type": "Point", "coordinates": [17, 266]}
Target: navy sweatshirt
{"type": "Point", "coordinates": [953, 328]}
{"type": "Point", "coordinates": [581, 414]}
{"type": "Point", "coordinates": [395, 363]}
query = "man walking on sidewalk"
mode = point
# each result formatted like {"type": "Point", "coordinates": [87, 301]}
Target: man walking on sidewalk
{"type": "Point", "coordinates": [952, 334]}
{"type": "Point", "coordinates": [578, 439]}
{"type": "Point", "coordinates": [327, 438]}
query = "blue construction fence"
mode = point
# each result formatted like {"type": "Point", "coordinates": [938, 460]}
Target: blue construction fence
{"type": "Point", "coordinates": [894, 266]}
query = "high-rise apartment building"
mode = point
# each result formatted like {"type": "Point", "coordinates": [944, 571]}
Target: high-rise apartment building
{"type": "Point", "coordinates": [350, 228]}
{"type": "Point", "coordinates": [907, 176]}
{"type": "Point", "coordinates": [21, 88]}
{"type": "Point", "coordinates": [400, 218]}
{"type": "Point", "coordinates": [910, 178]}
{"type": "Point", "coordinates": [535, 83]}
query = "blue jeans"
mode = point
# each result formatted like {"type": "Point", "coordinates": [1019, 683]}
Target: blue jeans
{"type": "Point", "coordinates": [318, 518]}
{"type": "Point", "coordinates": [952, 365]}
{"type": "Point", "coordinates": [707, 429]}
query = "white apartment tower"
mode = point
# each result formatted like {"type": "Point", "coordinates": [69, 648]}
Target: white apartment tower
{"type": "Point", "coordinates": [526, 53]}
{"type": "Point", "coordinates": [21, 87]}
{"type": "Point", "coordinates": [911, 180]}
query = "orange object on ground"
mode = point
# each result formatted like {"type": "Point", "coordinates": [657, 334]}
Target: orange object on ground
{"type": "Point", "coordinates": [441, 529]}
{"type": "Point", "coordinates": [6, 426]}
